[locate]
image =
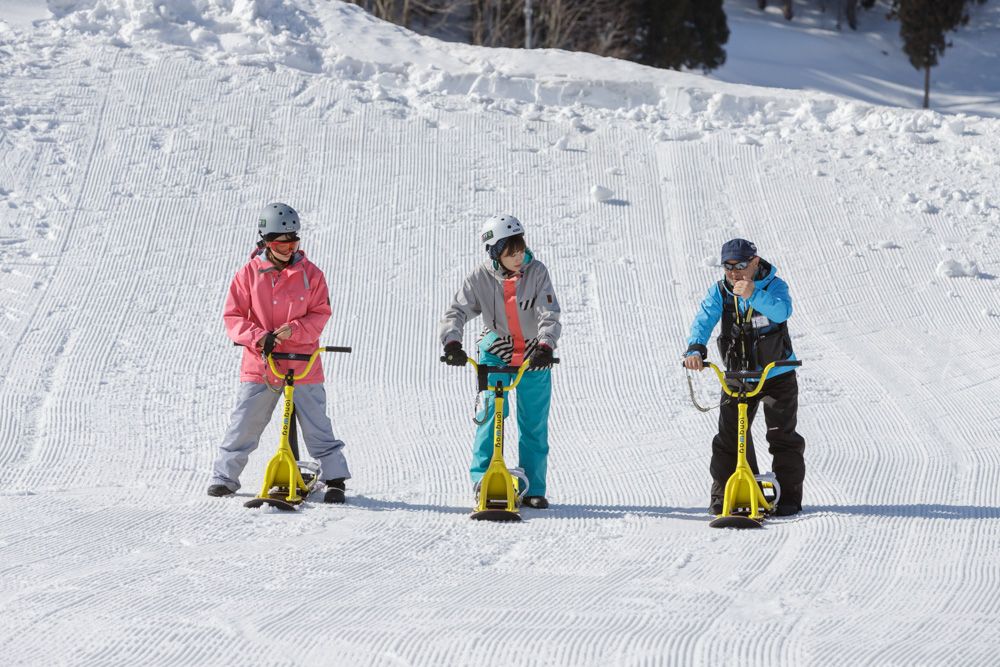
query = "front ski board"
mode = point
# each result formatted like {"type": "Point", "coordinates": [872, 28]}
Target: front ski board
{"type": "Point", "coordinates": [280, 503]}
{"type": "Point", "coordinates": [495, 515]}
{"type": "Point", "coordinates": [736, 521]}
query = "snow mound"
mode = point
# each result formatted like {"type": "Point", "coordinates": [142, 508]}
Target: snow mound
{"type": "Point", "coordinates": [258, 32]}
{"type": "Point", "coordinates": [599, 193]}
{"type": "Point", "coordinates": [953, 268]}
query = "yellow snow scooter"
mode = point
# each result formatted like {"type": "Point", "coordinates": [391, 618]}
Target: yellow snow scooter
{"type": "Point", "coordinates": [744, 504]}
{"type": "Point", "coordinates": [288, 481]}
{"type": "Point", "coordinates": [499, 493]}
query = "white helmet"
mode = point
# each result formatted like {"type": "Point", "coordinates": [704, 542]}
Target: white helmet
{"type": "Point", "coordinates": [500, 227]}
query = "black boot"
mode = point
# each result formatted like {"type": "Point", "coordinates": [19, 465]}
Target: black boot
{"type": "Point", "coordinates": [335, 491]}
{"type": "Point", "coordinates": [718, 492]}
{"type": "Point", "coordinates": [538, 502]}
{"type": "Point", "coordinates": [220, 490]}
{"type": "Point", "coordinates": [790, 501]}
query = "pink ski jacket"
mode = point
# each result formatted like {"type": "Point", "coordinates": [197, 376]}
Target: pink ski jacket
{"type": "Point", "coordinates": [262, 298]}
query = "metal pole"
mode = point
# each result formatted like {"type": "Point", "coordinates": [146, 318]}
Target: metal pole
{"type": "Point", "coordinates": [527, 24]}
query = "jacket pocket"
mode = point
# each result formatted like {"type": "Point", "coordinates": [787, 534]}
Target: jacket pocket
{"type": "Point", "coordinates": [773, 346]}
{"type": "Point", "coordinates": [487, 341]}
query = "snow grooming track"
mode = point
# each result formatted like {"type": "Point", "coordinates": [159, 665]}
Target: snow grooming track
{"type": "Point", "coordinates": [135, 169]}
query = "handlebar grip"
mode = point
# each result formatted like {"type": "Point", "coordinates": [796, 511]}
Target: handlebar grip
{"type": "Point", "coordinates": [744, 375]}
{"type": "Point", "coordinates": [513, 370]}
{"type": "Point", "coordinates": [328, 348]}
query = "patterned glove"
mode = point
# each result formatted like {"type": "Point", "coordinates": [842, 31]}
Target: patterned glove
{"type": "Point", "coordinates": [541, 357]}
{"type": "Point", "coordinates": [454, 355]}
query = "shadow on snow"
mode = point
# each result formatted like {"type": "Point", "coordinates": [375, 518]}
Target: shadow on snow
{"type": "Point", "coordinates": [556, 511]}
{"type": "Point", "coordinates": [569, 511]}
{"type": "Point", "coordinates": [917, 511]}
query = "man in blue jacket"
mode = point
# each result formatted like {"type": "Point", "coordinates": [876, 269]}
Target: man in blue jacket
{"type": "Point", "coordinates": [754, 305]}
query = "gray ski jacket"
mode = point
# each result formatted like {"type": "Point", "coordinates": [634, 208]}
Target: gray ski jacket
{"type": "Point", "coordinates": [522, 308]}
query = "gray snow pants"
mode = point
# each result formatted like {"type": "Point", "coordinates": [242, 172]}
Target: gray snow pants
{"type": "Point", "coordinates": [254, 405]}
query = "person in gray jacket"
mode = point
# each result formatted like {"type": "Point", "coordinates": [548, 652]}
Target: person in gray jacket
{"type": "Point", "coordinates": [513, 292]}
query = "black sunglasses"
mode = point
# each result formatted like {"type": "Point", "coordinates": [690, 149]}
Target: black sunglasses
{"type": "Point", "coordinates": [736, 266]}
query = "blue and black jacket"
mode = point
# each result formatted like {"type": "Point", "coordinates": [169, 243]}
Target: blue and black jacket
{"type": "Point", "coordinates": [754, 331]}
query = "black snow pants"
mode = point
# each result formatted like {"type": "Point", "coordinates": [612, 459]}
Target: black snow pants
{"type": "Point", "coordinates": [781, 405]}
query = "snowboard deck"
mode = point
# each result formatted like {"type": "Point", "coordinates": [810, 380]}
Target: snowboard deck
{"type": "Point", "coordinates": [277, 498]}
{"type": "Point", "coordinates": [495, 515]}
{"type": "Point", "coordinates": [280, 503]}
{"type": "Point", "coordinates": [739, 521]}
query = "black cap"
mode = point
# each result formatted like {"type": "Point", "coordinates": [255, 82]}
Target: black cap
{"type": "Point", "coordinates": [738, 250]}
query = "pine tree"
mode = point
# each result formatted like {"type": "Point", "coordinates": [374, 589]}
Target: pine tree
{"type": "Point", "coordinates": [922, 25]}
{"type": "Point", "coordinates": [682, 33]}
{"type": "Point", "coordinates": [851, 7]}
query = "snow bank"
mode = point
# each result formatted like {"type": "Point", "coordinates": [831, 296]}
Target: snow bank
{"type": "Point", "coordinates": [343, 40]}
{"type": "Point", "coordinates": [242, 31]}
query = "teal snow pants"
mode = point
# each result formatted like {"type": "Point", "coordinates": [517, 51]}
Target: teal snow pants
{"type": "Point", "coordinates": [533, 396]}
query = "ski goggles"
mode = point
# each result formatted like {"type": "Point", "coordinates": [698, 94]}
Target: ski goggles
{"type": "Point", "coordinates": [736, 266]}
{"type": "Point", "coordinates": [283, 244]}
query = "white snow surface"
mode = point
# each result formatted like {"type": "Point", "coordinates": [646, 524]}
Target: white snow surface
{"type": "Point", "coordinates": [138, 140]}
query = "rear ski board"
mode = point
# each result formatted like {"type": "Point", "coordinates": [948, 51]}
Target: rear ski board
{"type": "Point", "coordinates": [495, 515]}
{"type": "Point", "coordinates": [280, 503]}
{"type": "Point", "coordinates": [736, 521]}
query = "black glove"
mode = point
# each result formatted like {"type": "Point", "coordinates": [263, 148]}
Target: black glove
{"type": "Point", "coordinates": [541, 357]}
{"type": "Point", "coordinates": [270, 340]}
{"type": "Point", "coordinates": [454, 355]}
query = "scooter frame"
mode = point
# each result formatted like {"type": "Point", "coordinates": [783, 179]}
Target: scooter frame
{"type": "Point", "coordinates": [499, 497]}
{"type": "Point", "coordinates": [283, 470]}
{"type": "Point", "coordinates": [743, 488]}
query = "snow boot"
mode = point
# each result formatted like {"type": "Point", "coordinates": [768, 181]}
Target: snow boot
{"type": "Point", "coordinates": [220, 490]}
{"type": "Point", "coordinates": [538, 502]}
{"type": "Point", "coordinates": [718, 493]}
{"type": "Point", "coordinates": [790, 502]}
{"type": "Point", "coordinates": [335, 491]}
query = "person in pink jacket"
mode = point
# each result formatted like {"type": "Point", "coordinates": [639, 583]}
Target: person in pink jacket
{"type": "Point", "coordinates": [280, 300]}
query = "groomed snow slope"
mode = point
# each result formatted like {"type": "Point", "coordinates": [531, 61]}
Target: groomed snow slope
{"type": "Point", "coordinates": [136, 149]}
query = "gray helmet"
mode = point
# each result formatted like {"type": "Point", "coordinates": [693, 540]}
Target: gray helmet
{"type": "Point", "coordinates": [278, 218]}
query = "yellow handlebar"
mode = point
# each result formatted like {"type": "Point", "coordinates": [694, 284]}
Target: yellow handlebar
{"type": "Point", "coordinates": [523, 367]}
{"type": "Point", "coordinates": [296, 357]}
{"type": "Point", "coordinates": [722, 379]}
